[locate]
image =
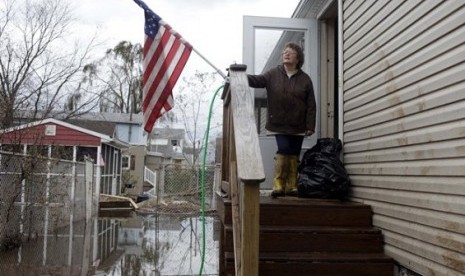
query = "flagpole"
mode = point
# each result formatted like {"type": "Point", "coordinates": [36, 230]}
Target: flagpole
{"type": "Point", "coordinates": [211, 64]}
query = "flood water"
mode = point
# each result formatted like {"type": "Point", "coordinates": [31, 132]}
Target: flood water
{"type": "Point", "coordinates": [166, 245]}
{"type": "Point", "coordinates": [153, 244]}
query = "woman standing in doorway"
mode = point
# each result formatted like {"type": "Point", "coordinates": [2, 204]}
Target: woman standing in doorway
{"type": "Point", "coordinates": [291, 114]}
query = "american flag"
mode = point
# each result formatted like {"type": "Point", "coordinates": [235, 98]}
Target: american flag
{"type": "Point", "coordinates": [165, 55]}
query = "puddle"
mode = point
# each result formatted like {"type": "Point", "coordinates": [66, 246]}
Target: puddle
{"type": "Point", "coordinates": [165, 245]}
{"type": "Point", "coordinates": [137, 245]}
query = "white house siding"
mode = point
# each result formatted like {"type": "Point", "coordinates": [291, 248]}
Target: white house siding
{"type": "Point", "coordinates": [404, 126]}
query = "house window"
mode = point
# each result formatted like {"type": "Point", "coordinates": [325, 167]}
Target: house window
{"type": "Point", "coordinates": [86, 152]}
{"type": "Point", "coordinates": [132, 164]}
{"type": "Point", "coordinates": [174, 143]}
{"type": "Point", "coordinates": [12, 148]}
{"type": "Point", "coordinates": [62, 152]}
{"type": "Point", "coordinates": [37, 150]}
{"type": "Point", "coordinates": [126, 162]}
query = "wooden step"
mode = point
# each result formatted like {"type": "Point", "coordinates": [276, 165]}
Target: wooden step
{"type": "Point", "coordinates": [310, 237]}
{"type": "Point", "coordinates": [313, 239]}
{"type": "Point", "coordinates": [305, 212]}
{"type": "Point", "coordinates": [324, 264]}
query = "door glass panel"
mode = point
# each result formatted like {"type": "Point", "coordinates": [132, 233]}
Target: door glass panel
{"type": "Point", "coordinates": [269, 44]}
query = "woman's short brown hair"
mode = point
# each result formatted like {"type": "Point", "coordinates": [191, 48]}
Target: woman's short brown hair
{"type": "Point", "coordinates": [300, 53]}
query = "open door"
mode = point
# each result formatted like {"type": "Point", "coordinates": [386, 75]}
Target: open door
{"type": "Point", "coordinates": [263, 41]}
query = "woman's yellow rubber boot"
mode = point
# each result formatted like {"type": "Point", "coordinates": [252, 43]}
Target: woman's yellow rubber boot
{"type": "Point", "coordinates": [280, 175]}
{"type": "Point", "coordinates": [291, 183]}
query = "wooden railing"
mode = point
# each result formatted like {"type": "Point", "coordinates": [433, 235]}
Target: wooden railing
{"type": "Point", "coordinates": [242, 169]}
{"type": "Point", "coordinates": [150, 176]}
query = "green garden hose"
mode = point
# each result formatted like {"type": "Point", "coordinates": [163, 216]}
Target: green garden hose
{"type": "Point", "coordinates": [202, 176]}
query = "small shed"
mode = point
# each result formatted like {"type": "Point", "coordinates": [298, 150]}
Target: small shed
{"type": "Point", "coordinates": [72, 141]}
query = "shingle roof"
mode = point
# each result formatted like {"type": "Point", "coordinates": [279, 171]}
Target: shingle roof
{"type": "Point", "coordinates": [27, 115]}
{"type": "Point", "coordinates": [107, 128]}
{"type": "Point", "coordinates": [169, 133]}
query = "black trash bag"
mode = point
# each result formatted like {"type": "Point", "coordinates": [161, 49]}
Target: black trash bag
{"type": "Point", "coordinates": [321, 172]}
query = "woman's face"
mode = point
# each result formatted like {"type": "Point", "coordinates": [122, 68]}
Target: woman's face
{"type": "Point", "coordinates": [290, 56]}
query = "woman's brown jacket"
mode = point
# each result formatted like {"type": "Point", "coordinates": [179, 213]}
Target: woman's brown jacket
{"type": "Point", "coordinates": [291, 101]}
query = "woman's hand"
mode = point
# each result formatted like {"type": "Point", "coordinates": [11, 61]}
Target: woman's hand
{"type": "Point", "coordinates": [309, 132]}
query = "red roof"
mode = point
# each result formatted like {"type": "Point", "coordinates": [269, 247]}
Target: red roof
{"type": "Point", "coordinates": [53, 132]}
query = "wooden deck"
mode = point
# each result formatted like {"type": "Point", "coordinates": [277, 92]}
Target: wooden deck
{"type": "Point", "coordinates": [310, 237]}
{"type": "Point", "coordinates": [116, 206]}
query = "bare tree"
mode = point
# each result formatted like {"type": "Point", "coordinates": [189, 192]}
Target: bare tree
{"type": "Point", "coordinates": [40, 65]}
{"type": "Point", "coordinates": [191, 105]}
{"type": "Point", "coordinates": [117, 78]}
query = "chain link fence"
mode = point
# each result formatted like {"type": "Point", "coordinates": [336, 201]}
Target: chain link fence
{"type": "Point", "coordinates": [41, 201]}
{"type": "Point", "coordinates": [44, 226]}
{"type": "Point", "coordinates": [180, 190]}
{"type": "Point", "coordinates": [174, 231]}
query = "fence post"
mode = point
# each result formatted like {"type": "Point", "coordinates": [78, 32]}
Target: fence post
{"type": "Point", "coordinates": [161, 186]}
{"type": "Point", "coordinates": [89, 177]}
{"type": "Point", "coordinates": [88, 180]}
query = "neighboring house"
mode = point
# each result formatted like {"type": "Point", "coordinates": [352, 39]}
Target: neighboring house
{"type": "Point", "coordinates": [169, 144]}
{"type": "Point", "coordinates": [74, 143]}
{"type": "Point", "coordinates": [125, 127]}
{"type": "Point", "coordinates": [144, 155]}
{"type": "Point", "coordinates": [389, 79]}
{"type": "Point", "coordinates": [128, 128]}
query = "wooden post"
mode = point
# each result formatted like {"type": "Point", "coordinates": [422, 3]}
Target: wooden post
{"type": "Point", "coordinates": [250, 222]}
{"type": "Point", "coordinates": [236, 218]}
{"type": "Point", "coordinates": [249, 169]}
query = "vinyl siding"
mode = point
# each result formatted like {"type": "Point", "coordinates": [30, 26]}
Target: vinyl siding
{"type": "Point", "coordinates": [64, 136]}
{"type": "Point", "coordinates": [404, 126]}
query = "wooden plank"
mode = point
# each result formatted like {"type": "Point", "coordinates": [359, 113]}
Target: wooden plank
{"type": "Point", "coordinates": [236, 222]}
{"type": "Point", "coordinates": [250, 214]}
{"type": "Point", "coordinates": [307, 212]}
{"type": "Point", "coordinates": [315, 213]}
{"type": "Point", "coordinates": [231, 155]}
{"type": "Point", "coordinates": [248, 155]}
{"type": "Point", "coordinates": [223, 209]}
{"type": "Point", "coordinates": [222, 245]}
{"type": "Point", "coordinates": [225, 186]}
{"type": "Point", "coordinates": [225, 152]}
{"type": "Point", "coordinates": [119, 198]}
{"type": "Point", "coordinates": [245, 164]}
{"type": "Point", "coordinates": [316, 263]}
{"type": "Point", "coordinates": [314, 239]}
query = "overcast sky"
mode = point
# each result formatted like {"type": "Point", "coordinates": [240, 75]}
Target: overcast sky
{"type": "Point", "coordinates": [213, 27]}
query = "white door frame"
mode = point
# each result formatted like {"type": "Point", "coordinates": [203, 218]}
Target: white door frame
{"type": "Point", "coordinates": [309, 27]}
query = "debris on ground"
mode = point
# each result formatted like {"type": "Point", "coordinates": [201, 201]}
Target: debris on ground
{"type": "Point", "coordinates": [169, 207]}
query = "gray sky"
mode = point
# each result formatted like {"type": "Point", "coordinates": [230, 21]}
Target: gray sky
{"type": "Point", "coordinates": [213, 27]}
